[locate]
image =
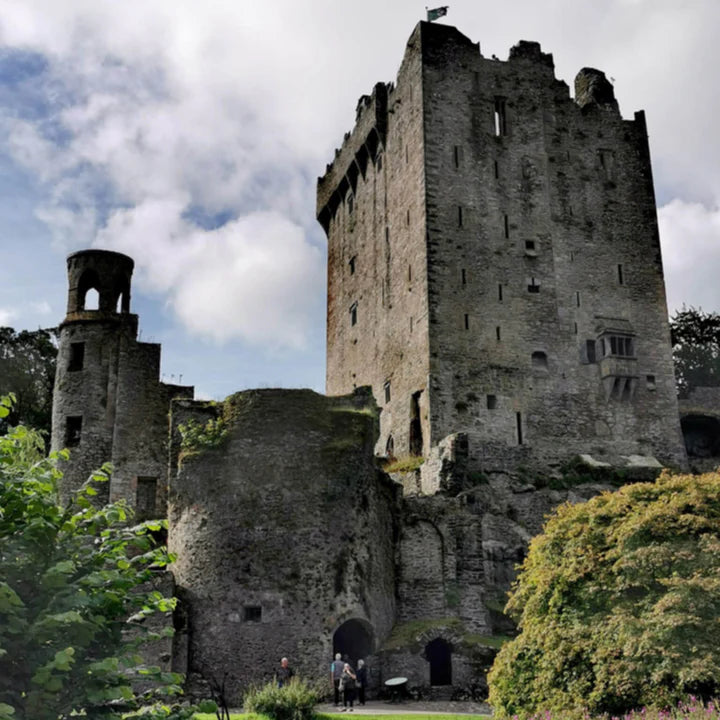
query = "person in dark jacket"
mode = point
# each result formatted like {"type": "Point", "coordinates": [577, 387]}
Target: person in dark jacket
{"type": "Point", "coordinates": [361, 681]}
{"type": "Point", "coordinates": [348, 681]}
{"type": "Point", "coordinates": [284, 673]}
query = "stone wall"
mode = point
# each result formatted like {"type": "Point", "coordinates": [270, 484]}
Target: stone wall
{"type": "Point", "coordinates": [533, 219]}
{"type": "Point", "coordinates": [283, 533]}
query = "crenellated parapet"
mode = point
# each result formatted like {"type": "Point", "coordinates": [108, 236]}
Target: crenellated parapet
{"type": "Point", "coordinates": [359, 147]}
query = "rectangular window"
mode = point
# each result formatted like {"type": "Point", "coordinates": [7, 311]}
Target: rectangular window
{"type": "Point", "coordinates": [500, 117]}
{"type": "Point", "coordinates": [73, 430]}
{"type": "Point", "coordinates": [351, 264]}
{"type": "Point", "coordinates": [353, 314]}
{"type": "Point", "coordinates": [577, 299]}
{"type": "Point", "coordinates": [457, 155]}
{"type": "Point", "coordinates": [650, 382]}
{"type": "Point", "coordinates": [463, 275]}
{"type": "Point", "coordinates": [386, 389]}
{"type": "Point", "coordinates": [460, 216]}
{"type": "Point", "coordinates": [497, 333]}
{"type": "Point", "coordinates": [518, 423]}
{"type": "Point", "coordinates": [77, 356]}
{"type": "Point", "coordinates": [491, 402]}
{"type": "Point", "coordinates": [467, 321]}
{"type": "Point", "coordinates": [506, 223]}
{"type": "Point", "coordinates": [252, 613]}
{"type": "Point", "coordinates": [620, 274]}
{"type": "Point", "coordinates": [529, 244]}
{"type": "Point", "coordinates": [409, 273]}
{"type": "Point", "coordinates": [500, 292]}
{"type": "Point", "coordinates": [387, 234]}
{"type": "Point", "coordinates": [145, 496]}
{"type": "Point", "coordinates": [411, 324]}
{"type": "Point", "coordinates": [590, 351]}
{"type": "Point", "coordinates": [534, 286]}
{"type": "Point", "coordinates": [497, 170]}
{"type": "Point", "coordinates": [407, 217]}
{"type": "Point", "coordinates": [620, 345]}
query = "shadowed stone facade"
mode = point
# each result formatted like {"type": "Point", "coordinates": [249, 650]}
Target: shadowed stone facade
{"type": "Point", "coordinates": [494, 264]}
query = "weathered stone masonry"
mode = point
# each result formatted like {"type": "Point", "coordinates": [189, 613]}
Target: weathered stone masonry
{"type": "Point", "coordinates": [499, 244]}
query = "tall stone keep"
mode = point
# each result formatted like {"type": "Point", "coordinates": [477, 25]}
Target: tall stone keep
{"type": "Point", "coordinates": [494, 267]}
{"type": "Point", "coordinates": [108, 402]}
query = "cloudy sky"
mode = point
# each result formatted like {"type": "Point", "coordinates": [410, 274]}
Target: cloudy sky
{"type": "Point", "coordinates": [189, 134]}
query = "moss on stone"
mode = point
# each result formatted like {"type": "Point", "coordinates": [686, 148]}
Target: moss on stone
{"type": "Point", "coordinates": [407, 463]}
{"type": "Point", "coordinates": [407, 635]}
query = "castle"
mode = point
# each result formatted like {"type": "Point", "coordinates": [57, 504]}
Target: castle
{"type": "Point", "coordinates": [496, 307]}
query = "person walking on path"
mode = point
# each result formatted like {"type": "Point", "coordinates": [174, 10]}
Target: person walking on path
{"type": "Point", "coordinates": [284, 673]}
{"type": "Point", "coordinates": [336, 671]}
{"type": "Point", "coordinates": [348, 681]}
{"type": "Point", "coordinates": [361, 681]}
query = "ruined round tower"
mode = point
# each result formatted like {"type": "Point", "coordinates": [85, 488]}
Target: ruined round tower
{"type": "Point", "coordinates": [108, 402]}
{"type": "Point", "coordinates": [97, 322]}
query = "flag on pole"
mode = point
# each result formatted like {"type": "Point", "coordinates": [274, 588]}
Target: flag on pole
{"type": "Point", "coordinates": [437, 13]}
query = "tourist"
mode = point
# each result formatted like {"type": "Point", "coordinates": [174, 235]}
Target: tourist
{"type": "Point", "coordinates": [361, 681]}
{"type": "Point", "coordinates": [284, 673]}
{"type": "Point", "coordinates": [336, 671]}
{"type": "Point", "coordinates": [348, 682]}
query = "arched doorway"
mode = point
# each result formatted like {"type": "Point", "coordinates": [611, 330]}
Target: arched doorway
{"type": "Point", "coordinates": [702, 435]}
{"type": "Point", "coordinates": [438, 653]}
{"type": "Point", "coordinates": [354, 639]}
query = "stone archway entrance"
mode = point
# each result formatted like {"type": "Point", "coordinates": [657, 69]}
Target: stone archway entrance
{"type": "Point", "coordinates": [355, 639]}
{"type": "Point", "coordinates": [439, 654]}
{"type": "Point", "coordinates": [702, 435]}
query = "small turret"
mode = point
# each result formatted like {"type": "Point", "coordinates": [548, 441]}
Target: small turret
{"type": "Point", "coordinates": [107, 273]}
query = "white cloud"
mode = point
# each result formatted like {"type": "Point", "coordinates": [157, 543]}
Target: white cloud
{"type": "Point", "coordinates": [690, 234]}
{"type": "Point", "coordinates": [6, 315]}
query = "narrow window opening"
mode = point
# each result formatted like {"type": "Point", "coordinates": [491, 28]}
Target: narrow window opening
{"type": "Point", "coordinates": [518, 423]}
{"type": "Point", "coordinates": [467, 321]}
{"type": "Point", "coordinates": [497, 333]}
{"type": "Point", "coordinates": [407, 217]}
{"type": "Point", "coordinates": [77, 356]}
{"type": "Point", "coordinates": [386, 389]}
{"type": "Point", "coordinates": [456, 155]}
{"type": "Point", "coordinates": [577, 298]}
{"type": "Point", "coordinates": [379, 162]}
{"type": "Point", "coordinates": [92, 300]}
{"type": "Point", "coordinates": [590, 353]}
{"type": "Point", "coordinates": [572, 256]}
{"type": "Point", "coordinates": [534, 286]}
{"type": "Point", "coordinates": [506, 223]}
{"type": "Point", "coordinates": [463, 275]}
{"type": "Point", "coordinates": [620, 274]}
{"type": "Point", "coordinates": [409, 273]}
{"type": "Point", "coordinates": [411, 324]}
{"type": "Point", "coordinates": [387, 234]}
{"type": "Point", "coordinates": [460, 216]}
{"type": "Point", "coordinates": [416, 439]}
{"type": "Point", "coordinates": [497, 170]}
{"type": "Point", "coordinates": [500, 117]}
{"type": "Point", "coordinates": [500, 292]}
{"type": "Point", "coordinates": [73, 430]}
{"type": "Point", "coordinates": [650, 382]}
{"type": "Point", "coordinates": [351, 264]}
{"type": "Point", "coordinates": [539, 360]}
{"type": "Point", "coordinates": [407, 155]}
{"type": "Point", "coordinates": [576, 332]}
{"type": "Point", "coordinates": [491, 402]}
{"type": "Point", "coordinates": [146, 496]}
{"type": "Point", "coordinates": [353, 314]}
{"type": "Point", "coordinates": [252, 613]}
{"type": "Point", "coordinates": [529, 244]}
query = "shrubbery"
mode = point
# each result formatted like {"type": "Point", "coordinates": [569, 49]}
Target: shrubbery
{"type": "Point", "coordinates": [618, 604]}
{"type": "Point", "coordinates": [295, 701]}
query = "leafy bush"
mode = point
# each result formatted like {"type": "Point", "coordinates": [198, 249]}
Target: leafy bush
{"type": "Point", "coordinates": [70, 582]}
{"type": "Point", "coordinates": [617, 603]}
{"type": "Point", "coordinates": [294, 701]}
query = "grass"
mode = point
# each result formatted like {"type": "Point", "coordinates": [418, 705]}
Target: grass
{"type": "Point", "coordinates": [406, 463]}
{"type": "Point", "coordinates": [412, 716]}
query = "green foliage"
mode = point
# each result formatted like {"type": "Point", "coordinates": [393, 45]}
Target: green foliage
{"type": "Point", "coordinates": [696, 349]}
{"type": "Point", "coordinates": [27, 369]}
{"type": "Point", "coordinates": [618, 603]}
{"type": "Point", "coordinates": [71, 610]}
{"type": "Point", "coordinates": [406, 463]}
{"type": "Point", "coordinates": [405, 635]}
{"type": "Point", "coordinates": [197, 436]}
{"type": "Point", "coordinates": [294, 701]}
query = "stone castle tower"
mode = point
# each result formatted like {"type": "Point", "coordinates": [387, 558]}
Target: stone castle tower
{"type": "Point", "coordinates": [108, 402]}
{"type": "Point", "coordinates": [494, 267]}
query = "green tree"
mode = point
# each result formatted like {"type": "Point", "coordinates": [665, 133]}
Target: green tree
{"type": "Point", "coordinates": [696, 349]}
{"type": "Point", "coordinates": [27, 369]}
{"type": "Point", "coordinates": [71, 593]}
{"type": "Point", "coordinates": [618, 604]}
